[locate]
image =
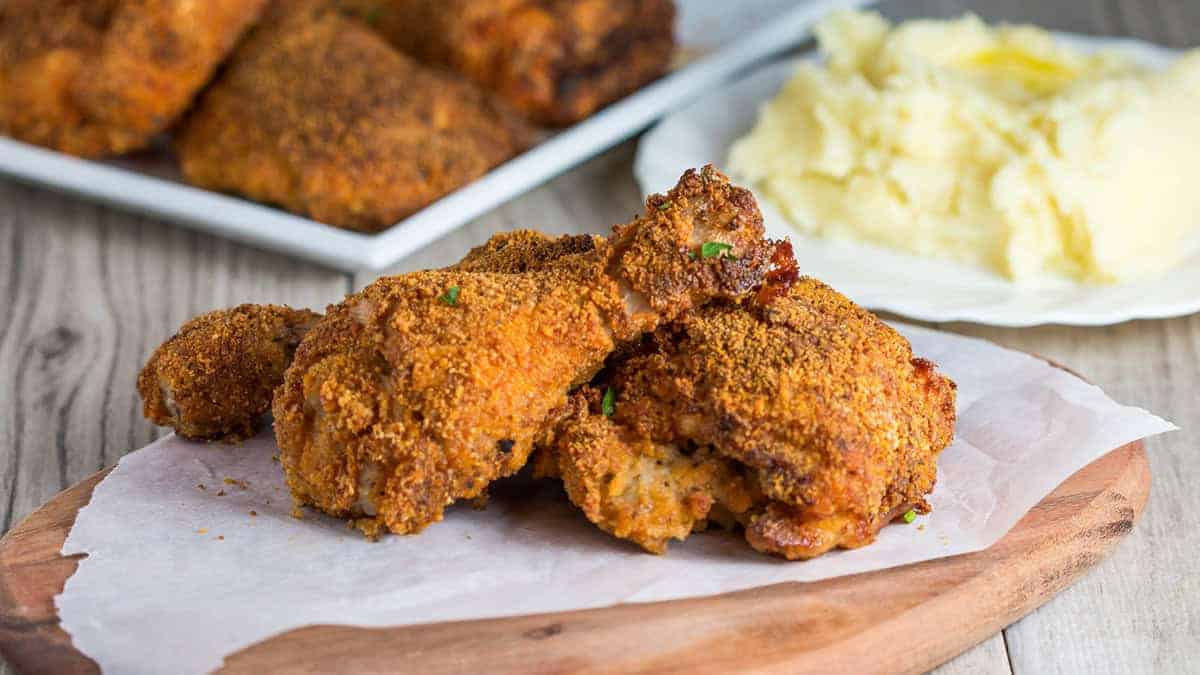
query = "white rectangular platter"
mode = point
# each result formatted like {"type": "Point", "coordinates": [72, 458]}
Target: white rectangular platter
{"type": "Point", "coordinates": [717, 40]}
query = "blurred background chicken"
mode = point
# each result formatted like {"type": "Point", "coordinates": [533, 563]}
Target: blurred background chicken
{"type": "Point", "coordinates": [556, 61]}
{"type": "Point", "coordinates": [103, 77]}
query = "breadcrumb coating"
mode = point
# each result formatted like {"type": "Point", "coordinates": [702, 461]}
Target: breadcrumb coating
{"type": "Point", "coordinates": [319, 115]}
{"type": "Point", "coordinates": [637, 489]}
{"type": "Point", "coordinates": [246, 349]}
{"type": "Point", "coordinates": [661, 257]}
{"type": "Point", "coordinates": [213, 379]}
{"type": "Point", "coordinates": [557, 61]}
{"type": "Point", "coordinates": [423, 388]}
{"type": "Point", "coordinates": [823, 406]}
{"type": "Point", "coordinates": [102, 77]}
{"type": "Point", "coordinates": [521, 251]}
{"type": "Point", "coordinates": [436, 399]}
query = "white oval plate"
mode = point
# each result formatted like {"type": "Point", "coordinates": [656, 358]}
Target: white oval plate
{"type": "Point", "coordinates": [883, 279]}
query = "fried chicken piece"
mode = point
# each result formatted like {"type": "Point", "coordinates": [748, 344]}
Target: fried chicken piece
{"type": "Point", "coordinates": [318, 114]}
{"type": "Point", "coordinates": [213, 379]}
{"type": "Point", "coordinates": [637, 489]}
{"type": "Point", "coordinates": [557, 61]}
{"type": "Point", "coordinates": [102, 77]}
{"type": "Point", "coordinates": [821, 404]}
{"type": "Point", "coordinates": [245, 350]}
{"type": "Point", "coordinates": [423, 388]}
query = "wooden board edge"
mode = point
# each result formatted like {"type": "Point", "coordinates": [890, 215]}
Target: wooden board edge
{"type": "Point", "coordinates": [30, 565]}
{"type": "Point", "coordinates": [1109, 517]}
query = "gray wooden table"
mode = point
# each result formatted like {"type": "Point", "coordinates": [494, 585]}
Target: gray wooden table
{"type": "Point", "coordinates": [86, 293]}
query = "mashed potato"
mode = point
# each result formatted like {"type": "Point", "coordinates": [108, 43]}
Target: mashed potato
{"type": "Point", "coordinates": [993, 146]}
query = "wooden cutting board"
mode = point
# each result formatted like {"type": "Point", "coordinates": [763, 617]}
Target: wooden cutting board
{"type": "Point", "coordinates": [902, 620]}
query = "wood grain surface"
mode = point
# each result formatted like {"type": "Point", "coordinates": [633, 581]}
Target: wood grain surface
{"type": "Point", "coordinates": [87, 292]}
{"type": "Point", "coordinates": [902, 620]}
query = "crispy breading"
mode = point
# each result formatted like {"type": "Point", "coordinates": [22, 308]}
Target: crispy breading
{"type": "Point", "coordinates": [521, 251]}
{"type": "Point", "coordinates": [557, 61]}
{"type": "Point", "coordinates": [637, 489]}
{"type": "Point", "coordinates": [666, 264]}
{"type": "Point", "coordinates": [400, 402]}
{"type": "Point", "coordinates": [822, 403]}
{"type": "Point", "coordinates": [102, 77]}
{"type": "Point", "coordinates": [318, 114]}
{"type": "Point", "coordinates": [214, 378]}
{"type": "Point", "coordinates": [423, 388]}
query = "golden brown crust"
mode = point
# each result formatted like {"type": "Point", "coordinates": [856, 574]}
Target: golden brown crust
{"type": "Point", "coordinates": [223, 362]}
{"type": "Point", "coordinates": [96, 78]}
{"type": "Point", "coordinates": [214, 378]}
{"type": "Point", "coordinates": [825, 405]}
{"type": "Point", "coordinates": [661, 254]}
{"type": "Point", "coordinates": [423, 388]}
{"type": "Point", "coordinates": [796, 534]}
{"type": "Point", "coordinates": [318, 114]}
{"type": "Point", "coordinates": [411, 403]}
{"type": "Point", "coordinates": [637, 489]}
{"type": "Point", "coordinates": [557, 61]}
{"type": "Point", "coordinates": [521, 251]}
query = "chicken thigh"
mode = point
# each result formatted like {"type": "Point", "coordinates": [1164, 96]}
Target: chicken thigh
{"type": "Point", "coordinates": [810, 418]}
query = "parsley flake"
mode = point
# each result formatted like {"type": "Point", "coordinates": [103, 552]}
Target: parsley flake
{"type": "Point", "coordinates": [609, 405]}
{"type": "Point", "coordinates": [663, 206]}
{"type": "Point", "coordinates": [910, 516]}
{"type": "Point", "coordinates": [691, 255]}
{"type": "Point", "coordinates": [450, 297]}
{"type": "Point", "coordinates": [714, 249]}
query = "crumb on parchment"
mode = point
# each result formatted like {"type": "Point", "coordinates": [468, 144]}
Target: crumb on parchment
{"type": "Point", "coordinates": [370, 527]}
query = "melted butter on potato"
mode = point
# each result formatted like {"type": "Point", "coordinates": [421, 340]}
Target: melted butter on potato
{"type": "Point", "coordinates": [996, 146]}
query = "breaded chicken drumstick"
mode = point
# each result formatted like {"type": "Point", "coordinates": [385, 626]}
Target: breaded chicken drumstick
{"type": "Point", "coordinates": [803, 417]}
{"type": "Point", "coordinates": [423, 388]}
{"type": "Point", "coordinates": [214, 378]}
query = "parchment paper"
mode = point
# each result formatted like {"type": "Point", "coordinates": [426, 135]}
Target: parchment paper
{"type": "Point", "coordinates": [177, 576]}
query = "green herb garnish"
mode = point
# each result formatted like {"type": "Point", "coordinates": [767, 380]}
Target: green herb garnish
{"type": "Point", "coordinates": [609, 405]}
{"type": "Point", "coordinates": [450, 297]}
{"type": "Point", "coordinates": [713, 249]}
{"type": "Point", "coordinates": [691, 255]}
{"type": "Point", "coordinates": [910, 516]}
{"type": "Point", "coordinates": [663, 206]}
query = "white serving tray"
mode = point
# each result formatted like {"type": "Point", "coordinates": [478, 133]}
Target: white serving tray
{"type": "Point", "coordinates": [718, 38]}
{"type": "Point", "coordinates": [883, 279]}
